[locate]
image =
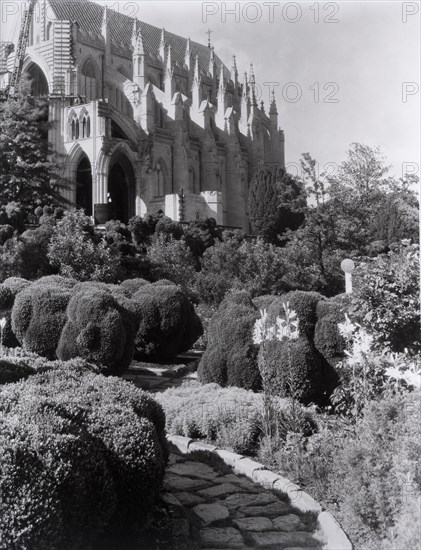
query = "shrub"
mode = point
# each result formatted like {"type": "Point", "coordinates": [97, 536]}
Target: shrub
{"type": "Point", "coordinates": [372, 467]}
{"type": "Point", "coordinates": [386, 297]}
{"type": "Point", "coordinates": [327, 339]}
{"type": "Point", "coordinates": [304, 304]}
{"type": "Point", "coordinates": [171, 259]}
{"type": "Point", "coordinates": [231, 417]}
{"type": "Point", "coordinates": [231, 357]}
{"type": "Point", "coordinates": [91, 453]}
{"type": "Point", "coordinates": [39, 315]}
{"type": "Point", "coordinates": [6, 303]}
{"type": "Point", "coordinates": [293, 368]}
{"type": "Point", "coordinates": [77, 250]}
{"type": "Point", "coordinates": [131, 286]}
{"type": "Point", "coordinates": [16, 284]}
{"type": "Point", "coordinates": [168, 322]}
{"type": "Point", "coordinates": [169, 229]}
{"type": "Point", "coordinates": [98, 328]}
{"type": "Point", "coordinates": [6, 232]}
{"type": "Point", "coordinates": [12, 372]}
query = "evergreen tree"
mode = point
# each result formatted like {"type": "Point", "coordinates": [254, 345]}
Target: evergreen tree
{"type": "Point", "coordinates": [29, 173]}
{"type": "Point", "coordinates": [274, 204]}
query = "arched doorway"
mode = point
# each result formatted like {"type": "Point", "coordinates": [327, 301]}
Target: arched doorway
{"type": "Point", "coordinates": [121, 188]}
{"type": "Point", "coordinates": [84, 186]}
{"type": "Point", "coordinates": [38, 80]}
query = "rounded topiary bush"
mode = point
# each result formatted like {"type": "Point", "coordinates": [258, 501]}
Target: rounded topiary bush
{"type": "Point", "coordinates": [230, 358]}
{"type": "Point", "coordinates": [168, 325]}
{"type": "Point", "coordinates": [39, 315]}
{"type": "Point", "coordinates": [293, 368]}
{"type": "Point", "coordinates": [304, 304]}
{"type": "Point", "coordinates": [16, 284]}
{"type": "Point", "coordinates": [327, 339]}
{"type": "Point", "coordinates": [131, 286]}
{"type": "Point", "coordinates": [8, 290]}
{"type": "Point", "coordinates": [56, 488]}
{"type": "Point", "coordinates": [6, 232]}
{"type": "Point", "coordinates": [98, 328]}
{"type": "Point", "coordinates": [112, 436]}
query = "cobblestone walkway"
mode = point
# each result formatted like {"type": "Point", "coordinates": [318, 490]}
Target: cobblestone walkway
{"type": "Point", "coordinates": [219, 509]}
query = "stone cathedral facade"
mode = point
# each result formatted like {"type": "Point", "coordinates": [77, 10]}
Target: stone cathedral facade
{"type": "Point", "coordinates": [147, 120]}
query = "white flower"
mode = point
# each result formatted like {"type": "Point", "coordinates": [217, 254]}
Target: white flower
{"type": "Point", "coordinates": [2, 323]}
{"type": "Point", "coordinates": [346, 329]}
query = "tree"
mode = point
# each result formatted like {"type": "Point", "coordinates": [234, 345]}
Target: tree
{"type": "Point", "coordinates": [29, 172]}
{"type": "Point", "coordinates": [272, 202]}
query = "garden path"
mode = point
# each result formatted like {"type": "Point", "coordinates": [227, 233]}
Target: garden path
{"type": "Point", "coordinates": [212, 507]}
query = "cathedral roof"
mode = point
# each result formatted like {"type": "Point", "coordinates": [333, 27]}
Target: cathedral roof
{"type": "Point", "coordinates": [89, 16]}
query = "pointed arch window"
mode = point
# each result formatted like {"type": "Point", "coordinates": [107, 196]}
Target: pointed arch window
{"type": "Point", "coordinates": [85, 124]}
{"type": "Point", "coordinates": [74, 126]}
{"type": "Point", "coordinates": [161, 178]}
{"type": "Point", "coordinates": [48, 31]}
{"type": "Point", "coordinates": [89, 85]}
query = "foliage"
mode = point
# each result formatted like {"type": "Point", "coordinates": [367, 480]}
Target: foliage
{"type": "Point", "coordinates": [39, 315]}
{"type": "Point", "coordinates": [142, 229]}
{"type": "Point", "coordinates": [230, 358]}
{"type": "Point", "coordinates": [237, 264]}
{"type": "Point", "coordinates": [6, 233]}
{"type": "Point", "coordinates": [29, 172]}
{"type": "Point", "coordinates": [201, 235]}
{"type": "Point", "coordinates": [169, 228]}
{"type": "Point", "coordinates": [171, 259]}
{"type": "Point", "coordinates": [98, 327]}
{"type": "Point", "coordinates": [12, 372]}
{"type": "Point", "coordinates": [90, 451]}
{"type": "Point", "coordinates": [365, 373]}
{"type": "Point", "coordinates": [12, 213]}
{"type": "Point", "coordinates": [168, 322]}
{"type": "Point", "coordinates": [80, 252]}
{"type": "Point", "coordinates": [229, 417]}
{"type": "Point", "coordinates": [379, 467]}
{"type": "Point", "coordinates": [386, 297]}
{"type": "Point", "coordinates": [327, 339]}
{"type": "Point", "coordinates": [271, 203]}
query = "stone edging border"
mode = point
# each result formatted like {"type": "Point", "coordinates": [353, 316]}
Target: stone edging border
{"type": "Point", "coordinates": [336, 538]}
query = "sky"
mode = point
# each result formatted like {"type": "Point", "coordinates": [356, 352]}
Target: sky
{"type": "Point", "coordinates": [343, 72]}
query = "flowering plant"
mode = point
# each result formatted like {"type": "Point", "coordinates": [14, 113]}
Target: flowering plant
{"type": "Point", "coordinates": [366, 373]}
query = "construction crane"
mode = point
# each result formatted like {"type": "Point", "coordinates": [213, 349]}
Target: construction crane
{"type": "Point", "coordinates": [20, 53]}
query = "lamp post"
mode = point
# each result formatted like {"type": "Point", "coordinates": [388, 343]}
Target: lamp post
{"type": "Point", "coordinates": [348, 267]}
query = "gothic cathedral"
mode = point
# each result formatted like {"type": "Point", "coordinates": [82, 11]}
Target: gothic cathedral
{"type": "Point", "coordinates": [147, 120]}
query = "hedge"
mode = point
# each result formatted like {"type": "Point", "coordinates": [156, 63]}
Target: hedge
{"type": "Point", "coordinates": [168, 323]}
{"type": "Point", "coordinates": [98, 328]}
{"type": "Point", "coordinates": [304, 304]}
{"type": "Point", "coordinates": [293, 369]}
{"type": "Point", "coordinates": [8, 291]}
{"type": "Point", "coordinates": [91, 453]}
{"type": "Point", "coordinates": [39, 314]}
{"type": "Point", "coordinates": [230, 358]}
{"type": "Point", "coordinates": [327, 339]}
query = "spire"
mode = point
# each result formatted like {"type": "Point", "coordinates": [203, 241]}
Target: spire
{"type": "Point", "coordinates": [105, 31]}
{"type": "Point", "coordinates": [245, 86]}
{"type": "Point", "coordinates": [137, 38]}
{"type": "Point", "coordinates": [169, 66]}
{"type": "Point", "coordinates": [234, 71]}
{"type": "Point", "coordinates": [196, 74]}
{"type": "Point", "coordinates": [196, 87]}
{"type": "Point", "coordinates": [104, 20]}
{"type": "Point", "coordinates": [221, 87]}
{"type": "Point", "coordinates": [162, 45]}
{"type": "Point", "coordinates": [187, 55]}
{"type": "Point", "coordinates": [273, 110]}
{"type": "Point", "coordinates": [212, 62]}
{"type": "Point", "coordinates": [253, 86]}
